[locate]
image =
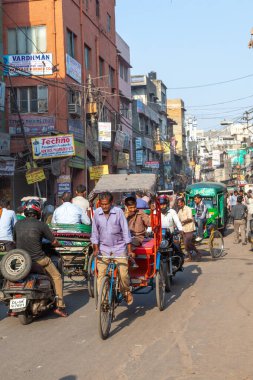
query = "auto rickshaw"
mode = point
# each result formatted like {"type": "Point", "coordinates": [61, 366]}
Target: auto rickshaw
{"type": "Point", "coordinates": [214, 196]}
{"type": "Point", "coordinates": [149, 271]}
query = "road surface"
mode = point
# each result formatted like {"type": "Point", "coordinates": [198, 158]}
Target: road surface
{"type": "Point", "coordinates": [204, 333]}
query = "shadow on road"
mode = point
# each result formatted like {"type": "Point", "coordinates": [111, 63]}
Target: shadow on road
{"type": "Point", "coordinates": [68, 377]}
{"type": "Point", "coordinates": [183, 281]}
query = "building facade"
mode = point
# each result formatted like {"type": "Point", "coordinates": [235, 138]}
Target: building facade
{"type": "Point", "coordinates": [67, 49]}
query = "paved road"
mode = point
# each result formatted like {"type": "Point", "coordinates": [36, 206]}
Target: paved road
{"type": "Point", "coordinates": [204, 333]}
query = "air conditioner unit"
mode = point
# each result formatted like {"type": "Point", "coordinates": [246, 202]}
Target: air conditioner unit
{"type": "Point", "coordinates": [74, 109]}
{"type": "Point", "coordinates": [42, 106]}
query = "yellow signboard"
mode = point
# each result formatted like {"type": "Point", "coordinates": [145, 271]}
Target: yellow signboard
{"type": "Point", "coordinates": [97, 171]}
{"type": "Point", "coordinates": [35, 175]}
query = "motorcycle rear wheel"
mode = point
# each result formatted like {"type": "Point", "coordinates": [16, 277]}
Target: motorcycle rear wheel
{"type": "Point", "coordinates": [25, 318]}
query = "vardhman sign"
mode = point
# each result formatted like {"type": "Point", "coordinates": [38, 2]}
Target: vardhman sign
{"type": "Point", "coordinates": [53, 147]}
{"type": "Point", "coordinates": [34, 64]}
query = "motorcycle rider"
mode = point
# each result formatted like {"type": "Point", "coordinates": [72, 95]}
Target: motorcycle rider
{"type": "Point", "coordinates": [7, 222]}
{"type": "Point", "coordinates": [169, 216]}
{"type": "Point", "coordinates": [28, 235]}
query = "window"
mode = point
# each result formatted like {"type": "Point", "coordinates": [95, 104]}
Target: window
{"type": "Point", "coordinates": [111, 76]}
{"type": "Point", "coordinates": [146, 129]}
{"type": "Point", "coordinates": [27, 40]}
{"type": "Point", "coordinates": [121, 70]}
{"type": "Point", "coordinates": [30, 99]}
{"type": "Point", "coordinates": [97, 8]}
{"type": "Point", "coordinates": [74, 97]}
{"type": "Point", "coordinates": [125, 74]}
{"type": "Point", "coordinates": [71, 41]}
{"type": "Point", "coordinates": [109, 19]}
{"type": "Point", "coordinates": [101, 67]}
{"type": "Point", "coordinates": [87, 57]}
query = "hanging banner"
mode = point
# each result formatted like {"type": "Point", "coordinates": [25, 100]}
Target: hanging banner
{"type": "Point", "coordinates": [53, 146]}
{"type": "Point", "coordinates": [104, 132]}
{"type": "Point", "coordinates": [97, 171]}
{"type": "Point", "coordinates": [35, 175]}
{"type": "Point", "coordinates": [63, 184]}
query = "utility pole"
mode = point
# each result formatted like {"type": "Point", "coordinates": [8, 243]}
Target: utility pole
{"type": "Point", "coordinates": [93, 121]}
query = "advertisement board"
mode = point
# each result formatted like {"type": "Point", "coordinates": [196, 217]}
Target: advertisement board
{"type": "Point", "coordinates": [74, 69]}
{"type": "Point", "coordinates": [139, 157]}
{"type": "Point", "coordinates": [76, 128]}
{"type": "Point", "coordinates": [63, 184]}
{"type": "Point", "coordinates": [119, 140]}
{"type": "Point", "coordinates": [7, 166]}
{"type": "Point", "coordinates": [97, 171]}
{"type": "Point", "coordinates": [152, 164]}
{"type": "Point", "coordinates": [123, 161]}
{"type": "Point", "coordinates": [104, 131]}
{"type": "Point", "coordinates": [35, 175]}
{"type": "Point", "coordinates": [33, 125]}
{"type": "Point", "coordinates": [32, 64]}
{"type": "Point", "coordinates": [53, 146]}
{"type": "Point", "coordinates": [4, 144]}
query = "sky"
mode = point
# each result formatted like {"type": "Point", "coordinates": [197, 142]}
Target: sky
{"type": "Point", "coordinates": [193, 43]}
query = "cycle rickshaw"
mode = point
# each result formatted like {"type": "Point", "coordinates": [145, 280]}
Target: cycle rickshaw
{"type": "Point", "coordinates": [149, 271]}
{"type": "Point", "coordinates": [213, 195]}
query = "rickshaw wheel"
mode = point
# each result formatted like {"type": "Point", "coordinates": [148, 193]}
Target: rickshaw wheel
{"type": "Point", "coordinates": [91, 277]}
{"type": "Point", "coordinates": [216, 244]}
{"type": "Point", "coordinates": [105, 309]}
{"type": "Point", "coordinates": [160, 287]}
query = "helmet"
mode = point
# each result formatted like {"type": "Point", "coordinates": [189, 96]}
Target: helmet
{"type": "Point", "coordinates": [32, 207]}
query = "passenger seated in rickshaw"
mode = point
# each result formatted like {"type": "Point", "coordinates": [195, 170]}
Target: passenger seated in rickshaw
{"type": "Point", "coordinates": [68, 213]}
{"type": "Point", "coordinates": [138, 221]}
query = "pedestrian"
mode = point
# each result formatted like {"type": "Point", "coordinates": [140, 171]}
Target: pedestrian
{"type": "Point", "coordinates": [239, 215]}
{"type": "Point", "coordinates": [200, 216]}
{"type": "Point", "coordinates": [80, 198]}
{"type": "Point", "coordinates": [111, 238]}
{"type": "Point", "coordinates": [233, 199]}
{"type": "Point", "coordinates": [249, 204]}
{"type": "Point", "coordinates": [186, 218]}
{"type": "Point", "coordinates": [7, 222]}
{"type": "Point", "coordinates": [68, 213]}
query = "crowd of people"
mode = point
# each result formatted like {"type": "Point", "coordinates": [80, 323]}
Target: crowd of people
{"type": "Point", "coordinates": [116, 230]}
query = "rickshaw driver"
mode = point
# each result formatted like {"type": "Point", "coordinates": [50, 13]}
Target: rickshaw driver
{"type": "Point", "coordinates": [200, 216]}
{"type": "Point", "coordinates": [111, 237]}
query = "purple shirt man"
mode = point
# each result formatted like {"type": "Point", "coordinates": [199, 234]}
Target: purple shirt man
{"type": "Point", "coordinates": [110, 233]}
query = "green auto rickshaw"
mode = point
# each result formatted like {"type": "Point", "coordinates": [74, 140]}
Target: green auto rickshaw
{"type": "Point", "coordinates": [214, 196]}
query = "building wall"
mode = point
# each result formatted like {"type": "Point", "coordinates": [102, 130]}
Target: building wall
{"type": "Point", "coordinates": [175, 111]}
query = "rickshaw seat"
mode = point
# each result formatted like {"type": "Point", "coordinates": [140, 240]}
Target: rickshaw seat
{"type": "Point", "coordinates": [147, 248]}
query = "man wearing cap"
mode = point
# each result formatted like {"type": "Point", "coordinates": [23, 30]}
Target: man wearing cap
{"type": "Point", "coordinates": [239, 215]}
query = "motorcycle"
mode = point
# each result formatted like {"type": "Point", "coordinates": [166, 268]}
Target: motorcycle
{"type": "Point", "coordinates": [172, 255]}
{"type": "Point", "coordinates": [27, 289]}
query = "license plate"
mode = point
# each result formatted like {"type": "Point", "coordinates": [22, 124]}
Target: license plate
{"type": "Point", "coordinates": [18, 303]}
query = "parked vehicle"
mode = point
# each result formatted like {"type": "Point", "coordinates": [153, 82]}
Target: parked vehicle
{"type": "Point", "coordinates": [27, 289]}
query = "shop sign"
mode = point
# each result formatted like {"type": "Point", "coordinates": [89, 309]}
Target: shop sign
{"type": "Point", "coordinates": [73, 68]}
{"type": "Point", "coordinates": [77, 163]}
{"type": "Point", "coordinates": [35, 175]}
{"type": "Point", "coordinates": [53, 146]}
{"type": "Point", "coordinates": [139, 157]}
{"type": "Point", "coordinates": [79, 149]}
{"type": "Point", "coordinates": [97, 171]}
{"type": "Point", "coordinates": [4, 144]}
{"type": "Point", "coordinates": [28, 64]}
{"type": "Point", "coordinates": [33, 125]}
{"type": "Point", "coordinates": [123, 161]}
{"type": "Point", "coordinates": [76, 128]}
{"type": "Point", "coordinates": [104, 132]}
{"type": "Point", "coordinates": [148, 143]}
{"type": "Point", "coordinates": [138, 143]}
{"type": "Point", "coordinates": [119, 140]}
{"type": "Point", "coordinates": [152, 164]}
{"type": "Point", "coordinates": [63, 184]}
{"type": "Point", "coordinates": [2, 96]}
{"type": "Point", "coordinates": [7, 166]}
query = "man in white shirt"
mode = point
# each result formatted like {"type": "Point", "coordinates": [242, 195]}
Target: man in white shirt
{"type": "Point", "coordinates": [80, 200]}
{"type": "Point", "coordinates": [7, 222]}
{"type": "Point", "coordinates": [169, 216]}
{"type": "Point", "coordinates": [69, 213]}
